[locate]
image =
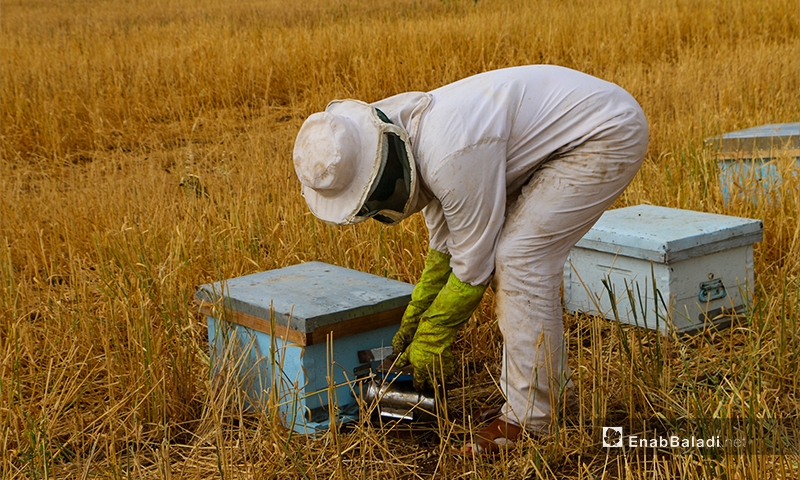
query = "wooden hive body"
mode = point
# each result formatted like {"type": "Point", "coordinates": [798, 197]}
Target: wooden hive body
{"type": "Point", "coordinates": [702, 265]}
{"type": "Point", "coordinates": [755, 162]}
{"type": "Point", "coordinates": [284, 332]}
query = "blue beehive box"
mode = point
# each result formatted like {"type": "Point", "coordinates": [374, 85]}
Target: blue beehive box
{"type": "Point", "coordinates": [284, 333]}
{"type": "Point", "coordinates": [701, 264]}
{"type": "Point", "coordinates": [755, 161]}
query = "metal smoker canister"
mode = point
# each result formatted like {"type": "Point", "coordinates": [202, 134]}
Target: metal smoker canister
{"type": "Point", "coordinates": [399, 400]}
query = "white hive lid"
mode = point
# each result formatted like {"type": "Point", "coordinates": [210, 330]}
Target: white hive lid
{"type": "Point", "coordinates": [666, 235]}
{"type": "Point", "coordinates": [763, 140]}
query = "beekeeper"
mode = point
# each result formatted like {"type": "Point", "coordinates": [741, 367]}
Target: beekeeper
{"type": "Point", "coordinates": [510, 169]}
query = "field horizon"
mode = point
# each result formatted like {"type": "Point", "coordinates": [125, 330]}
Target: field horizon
{"type": "Point", "coordinates": [146, 149]}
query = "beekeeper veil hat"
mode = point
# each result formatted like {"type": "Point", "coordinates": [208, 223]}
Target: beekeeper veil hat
{"type": "Point", "coordinates": [354, 164]}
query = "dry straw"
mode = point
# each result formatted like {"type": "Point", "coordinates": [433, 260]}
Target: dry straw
{"type": "Point", "coordinates": [106, 107]}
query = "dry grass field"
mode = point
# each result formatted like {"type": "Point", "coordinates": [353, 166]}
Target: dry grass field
{"type": "Point", "coordinates": [106, 105]}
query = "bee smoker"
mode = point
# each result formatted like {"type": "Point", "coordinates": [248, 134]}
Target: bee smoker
{"type": "Point", "coordinates": [392, 390]}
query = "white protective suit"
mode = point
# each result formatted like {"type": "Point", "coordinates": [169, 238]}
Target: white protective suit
{"type": "Point", "coordinates": [516, 165]}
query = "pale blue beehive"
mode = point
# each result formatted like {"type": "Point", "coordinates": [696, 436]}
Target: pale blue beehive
{"type": "Point", "coordinates": [284, 332]}
{"type": "Point", "coordinates": [701, 265]}
{"type": "Point", "coordinates": [755, 161]}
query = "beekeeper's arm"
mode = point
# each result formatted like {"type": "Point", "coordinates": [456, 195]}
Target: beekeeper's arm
{"type": "Point", "coordinates": [433, 278]}
{"type": "Point", "coordinates": [470, 188]}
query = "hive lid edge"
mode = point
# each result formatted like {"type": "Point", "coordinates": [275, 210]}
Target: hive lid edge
{"type": "Point", "coordinates": [309, 325]}
{"type": "Point", "coordinates": [647, 232]}
{"type": "Point", "coordinates": [787, 135]}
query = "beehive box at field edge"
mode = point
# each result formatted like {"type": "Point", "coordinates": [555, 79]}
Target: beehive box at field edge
{"type": "Point", "coordinates": [284, 332]}
{"type": "Point", "coordinates": [757, 159]}
{"type": "Point", "coordinates": [701, 265]}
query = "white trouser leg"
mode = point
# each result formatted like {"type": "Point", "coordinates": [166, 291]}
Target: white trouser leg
{"type": "Point", "coordinates": [560, 203]}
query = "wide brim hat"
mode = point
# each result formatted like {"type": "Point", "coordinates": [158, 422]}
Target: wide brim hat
{"type": "Point", "coordinates": [339, 154]}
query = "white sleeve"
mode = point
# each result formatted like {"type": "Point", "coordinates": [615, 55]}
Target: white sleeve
{"type": "Point", "coordinates": [437, 226]}
{"type": "Point", "coordinates": [471, 188]}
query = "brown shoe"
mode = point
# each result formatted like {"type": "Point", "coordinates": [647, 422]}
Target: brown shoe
{"type": "Point", "coordinates": [498, 436]}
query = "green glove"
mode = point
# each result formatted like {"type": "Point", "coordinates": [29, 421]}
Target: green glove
{"type": "Point", "coordinates": [431, 352]}
{"type": "Point", "coordinates": [433, 278]}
